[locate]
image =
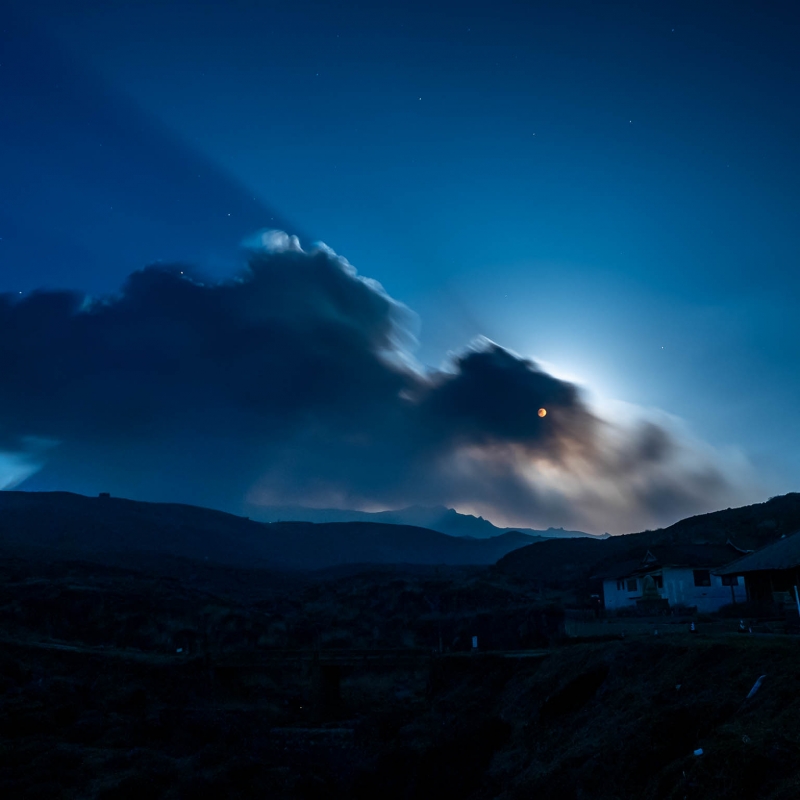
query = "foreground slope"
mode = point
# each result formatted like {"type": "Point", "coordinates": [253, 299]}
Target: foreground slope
{"type": "Point", "coordinates": [111, 528]}
{"type": "Point", "coordinates": [564, 562]}
{"type": "Point", "coordinates": [115, 684]}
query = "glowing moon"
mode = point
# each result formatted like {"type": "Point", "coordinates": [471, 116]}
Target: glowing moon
{"type": "Point", "coordinates": [542, 412]}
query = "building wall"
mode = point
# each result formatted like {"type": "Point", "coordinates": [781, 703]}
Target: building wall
{"type": "Point", "coordinates": [678, 588]}
{"type": "Point", "coordinates": [614, 598]}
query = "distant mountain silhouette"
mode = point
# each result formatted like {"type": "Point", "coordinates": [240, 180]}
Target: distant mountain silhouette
{"type": "Point", "coordinates": [436, 518]}
{"type": "Point", "coordinates": [748, 527]}
{"type": "Point", "coordinates": [110, 529]}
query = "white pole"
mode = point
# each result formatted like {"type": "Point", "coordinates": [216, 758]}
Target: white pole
{"type": "Point", "coordinates": [797, 598]}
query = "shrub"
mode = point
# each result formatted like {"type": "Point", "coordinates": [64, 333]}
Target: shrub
{"type": "Point", "coordinates": [741, 610]}
{"type": "Point", "coordinates": [681, 610]}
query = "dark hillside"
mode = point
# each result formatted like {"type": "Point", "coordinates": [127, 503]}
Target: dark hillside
{"type": "Point", "coordinates": [110, 530]}
{"type": "Point", "coordinates": [563, 562]}
{"type": "Point", "coordinates": [749, 526]}
{"type": "Point", "coordinates": [116, 684]}
{"type": "Point", "coordinates": [70, 523]}
{"type": "Point", "coordinates": [307, 545]}
{"type": "Point", "coordinates": [613, 721]}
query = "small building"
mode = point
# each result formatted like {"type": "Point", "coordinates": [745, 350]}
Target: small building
{"type": "Point", "coordinates": [668, 576]}
{"type": "Point", "coordinates": [771, 573]}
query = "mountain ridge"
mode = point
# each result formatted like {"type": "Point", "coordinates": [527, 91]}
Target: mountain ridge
{"type": "Point", "coordinates": [103, 528]}
{"type": "Point", "coordinates": [438, 518]}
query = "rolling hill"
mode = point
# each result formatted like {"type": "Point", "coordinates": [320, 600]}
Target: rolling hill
{"type": "Point", "coordinates": [113, 530]}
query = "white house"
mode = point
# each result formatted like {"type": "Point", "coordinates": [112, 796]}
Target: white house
{"type": "Point", "coordinates": [683, 576]}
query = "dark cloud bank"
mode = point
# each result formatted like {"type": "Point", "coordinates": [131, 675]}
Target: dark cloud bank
{"type": "Point", "coordinates": [294, 383]}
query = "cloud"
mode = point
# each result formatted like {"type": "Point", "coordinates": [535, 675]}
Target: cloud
{"type": "Point", "coordinates": [20, 458]}
{"type": "Point", "coordinates": [295, 382]}
{"type": "Point", "coordinates": [14, 469]}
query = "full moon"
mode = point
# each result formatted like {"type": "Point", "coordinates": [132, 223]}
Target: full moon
{"type": "Point", "coordinates": [542, 412]}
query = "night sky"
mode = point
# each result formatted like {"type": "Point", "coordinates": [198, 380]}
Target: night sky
{"type": "Point", "coordinates": [607, 193]}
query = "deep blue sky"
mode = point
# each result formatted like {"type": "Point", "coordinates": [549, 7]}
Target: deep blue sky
{"type": "Point", "coordinates": [611, 188]}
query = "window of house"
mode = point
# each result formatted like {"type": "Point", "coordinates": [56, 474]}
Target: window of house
{"type": "Point", "coordinates": [632, 584]}
{"type": "Point", "coordinates": [620, 585]}
{"type": "Point", "coordinates": [702, 577]}
{"type": "Point", "coordinates": [658, 580]}
{"type": "Point", "coordinates": [730, 580]}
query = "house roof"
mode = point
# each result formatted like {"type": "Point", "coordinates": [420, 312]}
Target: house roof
{"type": "Point", "coordinates": [783, 554]}
{"type": "Point", "coordinates": [709, 556]}
{"type": "Point", "coordinates": [621, 570]}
